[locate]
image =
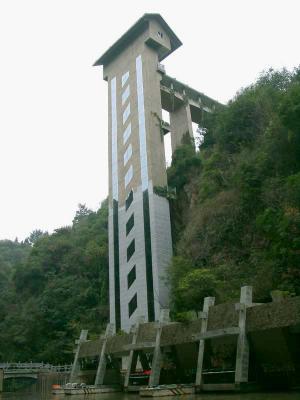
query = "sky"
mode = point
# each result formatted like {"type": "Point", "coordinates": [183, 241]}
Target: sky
{"type": "Point", "coordinates": [53, 103]}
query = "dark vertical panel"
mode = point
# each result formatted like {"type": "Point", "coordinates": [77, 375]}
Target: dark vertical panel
{"type": "Point", "coordinates": [130, 250]}
{"type": "Point", "coordinates": [129, 224]}
{"type": "Point", "coordinates": [148, 250]}
{"type": "Point", "coordinates": [132, 305]}
{"type": "Point", "coordinates": [116, 264]}
{"type": "Point", "coordinates": [131, 277]}
{"type": "Point", "coordinates": [129, 200]}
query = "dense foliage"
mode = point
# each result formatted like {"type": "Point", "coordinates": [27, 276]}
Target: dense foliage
{"type": "Point", "coordinates": [236, 220]}
{"type": "Point", "coordinates": [237, 217]}
{"type": "Point", "coordinates": [58, 289]}
{"type": "Point", "coordinates": [12, 253]}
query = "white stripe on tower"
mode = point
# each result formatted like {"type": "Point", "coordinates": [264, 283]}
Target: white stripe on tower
{"type": "Point", "coordinates": [114, 140]}
{"type": "Point", "coordinates": [142, 127]}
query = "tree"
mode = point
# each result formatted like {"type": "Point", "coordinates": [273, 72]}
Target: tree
{"type": "Point", "coordinates": [82, 212]}
{"type": "Point", "coordinates": [34, 236]}
{"type": "Point", "coordinates": [58, 289]}
{"type": "Point", "coordinates": [195, 286]}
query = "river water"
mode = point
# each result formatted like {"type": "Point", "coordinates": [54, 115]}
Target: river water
{"type": "Point", "coordinates": [124, 396]}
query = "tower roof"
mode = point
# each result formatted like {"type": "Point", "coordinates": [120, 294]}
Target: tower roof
{"type": "Point", "coordinates": [133, 32]}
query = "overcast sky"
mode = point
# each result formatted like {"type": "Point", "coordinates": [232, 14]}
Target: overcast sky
{"type": "Point", "coordinates": [53, 103]}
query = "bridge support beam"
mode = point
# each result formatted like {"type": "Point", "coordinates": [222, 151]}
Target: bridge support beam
{"type": "Point", "coordinates": [157, 356]}
{"type": "Point", "coordinates": [208, 302]}
{"type": "Point", "coordinates": [99, 379]}
{"type": "Point", "coordinates": [76, 365]}
{"type": "Point", "coordinates": [133, 355]}
{"type": "Point", "coordinates": [180, 125]}
{"type": "Point", "coordinates": [242, 353]}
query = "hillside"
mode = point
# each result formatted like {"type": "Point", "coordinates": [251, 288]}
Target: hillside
{"type": "Point", "coordinates": [60, 288]}
{"type": "Point", "coordinates": [12, 253]}
{"type": "Point", "coordinates": [237, 216]}
{"type": "Point", "coordinates": [235, 221]}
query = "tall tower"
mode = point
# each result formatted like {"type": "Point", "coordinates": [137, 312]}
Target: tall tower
{"type": "Point", "coordinates": [140, 243]}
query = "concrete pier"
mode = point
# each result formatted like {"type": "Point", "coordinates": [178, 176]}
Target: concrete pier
{"type": "Point", "coordinates": [265, 327]}
{"type": "Point", "coordinates": [157, 355]}
{"type": "Point", "coordinates": [133, 354]}
{"type": "Point", "coordinates": [208, 302]}
{"type": "Point", "coordinates": [242, 353]}
{"type": "Point", "coordinates": [180, 125]}
{"type": "Point", "coordinates": [99, 379]}
{"type": "Point", "coordinates": [76, 366]}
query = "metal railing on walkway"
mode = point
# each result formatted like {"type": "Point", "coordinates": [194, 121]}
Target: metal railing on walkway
{"type": "Point", "coordinates": [31, 366]}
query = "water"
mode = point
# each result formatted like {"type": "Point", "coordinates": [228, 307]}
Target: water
{"type": "Point", "coordinates": [124, 396]}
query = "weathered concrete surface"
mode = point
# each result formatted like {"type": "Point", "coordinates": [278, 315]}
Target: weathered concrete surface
{"type": "Point", "coordinates": [274, 315]}
{"type": "Point", "coordinates": [1, 379]}
{"type": "Point", "coordinates": [91, 348]}
{"type": "Point", "coordinates": [259, 318]}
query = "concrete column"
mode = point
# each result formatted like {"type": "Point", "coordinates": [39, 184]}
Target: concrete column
{"type": "Point", "coordinates": [180, 125]}
{"type": "Point", "coordinates": [242, 353]}
{"type": "Point", "coordinates": [1, 379]}
{"type": "Point", "coordinates": [157, 356]}
{"type": "Point", "coordinates": [76, 366]}
{"type": "Point", "coordinates": [132, 359]}
{"type": "Point", "coordinates": [208, 302]}
{"type": "Point", "coordinates": [99, 379]}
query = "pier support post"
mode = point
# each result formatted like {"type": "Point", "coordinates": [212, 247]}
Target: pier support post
{"type": "Point", "coordinates": [157, 356]}
{"type": "Point", "coordinates": [208, 302]}
{"type": "Point", "coordinates": [1, 379]}
{"type": "Point", "coordinates": [76, 367]}
{"type": "Point", "coordinates": [242, 353]}
{"type": "Point", "coordinates": [99, 379]}
{"type": "Point", "coordinates": [133, 355]}
{"type": "Point", "coordinates": [180, 125]}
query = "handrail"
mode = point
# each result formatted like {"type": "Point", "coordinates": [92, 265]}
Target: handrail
{"type": "Point", "coordinates": [35, 367]}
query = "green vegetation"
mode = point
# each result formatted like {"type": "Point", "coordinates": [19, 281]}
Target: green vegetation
{"type": "Point", "coordinates": [12, 253]}
{"type": "Point", "coordinates": [235, 217]}
{"type": "Point", "coordinates": [55, 290]}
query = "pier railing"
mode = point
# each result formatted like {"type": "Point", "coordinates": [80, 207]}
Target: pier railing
{"type": "Point", "coordinates": [31, 366]}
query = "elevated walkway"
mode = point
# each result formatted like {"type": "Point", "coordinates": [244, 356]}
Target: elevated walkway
{"type": "Point", "coordinates": [175, 93]}
{"type": "Point", "coordinates": [185, 106]}
{"type": "Point", "coordinates": [30, 370]}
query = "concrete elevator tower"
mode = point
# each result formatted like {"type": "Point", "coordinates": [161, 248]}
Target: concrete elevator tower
{"type": "Point", "coordinates": [140, 243]}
